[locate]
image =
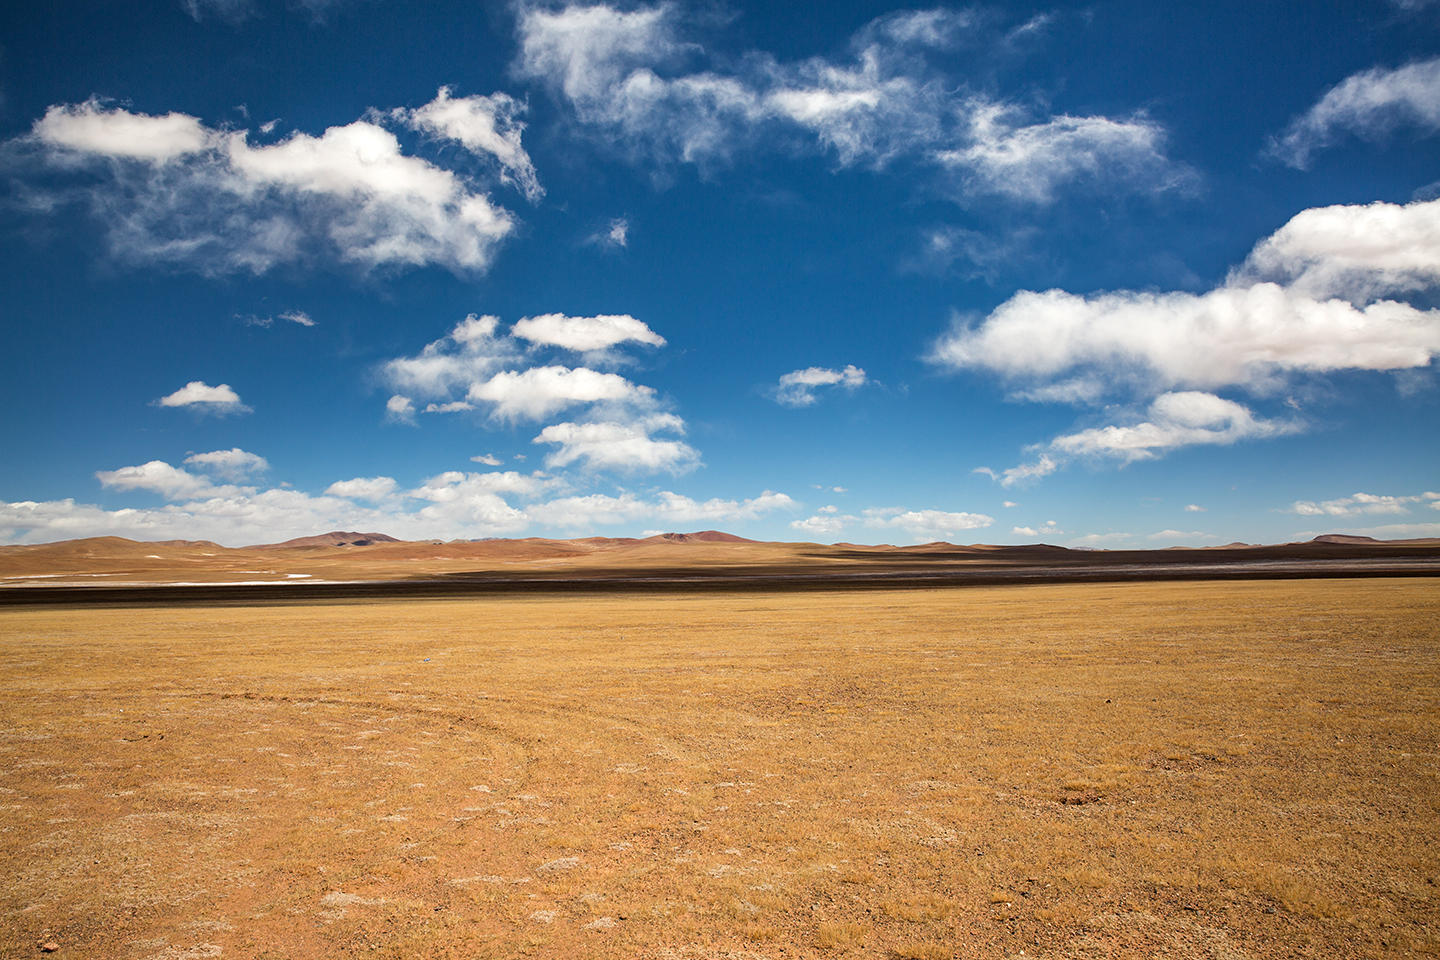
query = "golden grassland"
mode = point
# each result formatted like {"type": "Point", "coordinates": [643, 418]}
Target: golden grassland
{"type": "Point", "coordinates": [1108, 770]}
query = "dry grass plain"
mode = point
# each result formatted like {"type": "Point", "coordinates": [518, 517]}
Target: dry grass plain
{"type": "Point", "coordinates": [1104, 770]}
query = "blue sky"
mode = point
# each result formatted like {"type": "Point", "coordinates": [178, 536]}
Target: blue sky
{"type": "Point", "coordinates": [1102, 274]}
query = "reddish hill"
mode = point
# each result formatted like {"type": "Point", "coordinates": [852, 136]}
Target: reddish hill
{"type": "Point", "coordinates": [703, 536]}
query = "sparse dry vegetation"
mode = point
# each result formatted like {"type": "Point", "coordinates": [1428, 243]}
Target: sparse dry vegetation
{"type": "Point", "coordinates": [1110, 770]}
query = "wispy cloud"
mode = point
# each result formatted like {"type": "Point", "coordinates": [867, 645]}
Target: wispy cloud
{"type": "Point", "coordinates": [637, 77]}
{"type": "Point", "coordinates": [797, 388]}
{"type": "Point", "coordinates": [1371, 104]}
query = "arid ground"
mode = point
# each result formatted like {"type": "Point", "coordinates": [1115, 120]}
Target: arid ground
{"type": "Point", "coordinates": [1223, 770]}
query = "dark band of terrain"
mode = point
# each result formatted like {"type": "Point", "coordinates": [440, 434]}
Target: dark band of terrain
{"type": "Point", "coordinates": [833, 570]}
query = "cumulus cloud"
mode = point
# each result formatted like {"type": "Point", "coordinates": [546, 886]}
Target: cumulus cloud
{"type": "Point", "coordinates": [400, 409]}
{"type": "Point", "coordinates": [1279, 314]}
{"type": "Point", "coordinates": [617, 425]}
{"type": "Point", "coordinates": [1194, 508]}
{"type": "Point", "coordinates": [199, 395]}
{"type": "Point", "coordinates": [489, 460]}
{"type": "Point", "coordinates": [797, 388]}
{"type": "Point", "coordinates": [585, 334]}
{"type": "Point", "coordinates": [1173, 420]}
{"type": "Point", "coordinates": [1047, 529]}
{"type": "Point", "coordinates": [1246, 336]}
{"type": "Point", "coordinates": [1363, 503]}
{"type": "Point", "coordinates": [92, 128]}
{"type": "Point", "coordinates": [170, 189]}
{"type": "Point", "coordinates": [538, 392]}
{"type": "Point", "coordinates": [1371, 104]}
{"type": "Point", "coordinates": [362, 488]}
{"type": "Point", "coordinates": [1357, 252]}
{"type": "Point", "coordinates": [624, 446]}
{"type": "Point", "coordinates": [925, 525]}
{"type": "Point", "coordinates": [157, 476]}
{"type": "Point", "coordinates": [665, 508]}
{"type": "Point", "coordinates": [635, 76]}
{"type": "Point", "coordinates": [453, 504]}
{"type": "Point", "coordinates": [232, 464]}
{"type": "Point", "coordinates": [470, 352]}
{"type": "Point", "coordinates": [1184, 538]}
{"type": "Point", "coordinates": [822, 524]}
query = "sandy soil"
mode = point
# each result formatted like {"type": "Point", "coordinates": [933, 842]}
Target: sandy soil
{"type": "Point", "coordinates": [1120, 770]}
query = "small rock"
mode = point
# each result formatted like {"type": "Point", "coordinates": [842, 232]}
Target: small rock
{"type": "Point", "coordinates": [49, 946]}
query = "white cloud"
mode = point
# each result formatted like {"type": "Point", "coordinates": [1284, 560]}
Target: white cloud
{"type": "Point", "coordinates": [1173, 420]}
{"type": "Point", "coordinates": [1273, 318]}
{"type": "Point", "coordinates": [486, 126]}
{"type": "Point", "coordinates": [797, 388]}
{"type": "Point", "coordinates": [400, 409]}
{"type": "Point", "coordinates": [1362, 503]}
{"type": "Point", "coordinates": [471, 351]}
{"type": "Point", "coordinates": [1184, 538]}
{"type": "Point", "coordinates": [388, 208]}
{"type": "Point", "coordinates": [620, 445]}
{"type": "Point", "coordinates": [925, 525]}
{"type": "Point", "coordinates": [231, 10]}
{"type": "Point", "coordinates": [1103, 540]}
{"type": "Point", "coordinates": [1009, 503]}
{"type": "Point", "coordinates": [1371, 104]}
{"type": "Point", "coordinates": [538, 392]}
{"type": "Point", "coordinates": [616, 234]}
{"type": "Point", "coordinates": [298, 316]}
{"type": "Point", "coordinates": [666, 507]}
{"type": "Point", "coordinates": [362, 488]}
{"type": "Point", "coordinates": [1194, 508]}
{"type": "Point", "coordinates": [1303, 302]}
{"type": "Point", "coordinates": [1047, 529]}
{"type": "Point", "coordinates": [632, 76]}
{"type": "Point", "coordinates": [1356, 252]}
{"type": "Point", "coordinates": [169, 189]}
{"type": "Point", "coordinates": [1248, 336]}
{"type": "Point", "coordinates": [157, 476]}
{"type": "Point", "coordinates": [231, 464]}
{"type": "Point", "coordinates": [92, 128]}
{"type": "Point", "coordinates": [450, 505]}
{"type": "Point", "coordinates": [1043, 466]}
{"type": "Point", "coordinates": [585, 334]}
{"type": "Point", "coordinates": [618, 429]}
{"type": "Point", "coordinates": [823, 524]}
{"type": "Point", "coordinates": [1030, 162]}
{"type": "Point", "coordinates": [487, 459]}
{"type": "Point", "coordinates": [199, 395]}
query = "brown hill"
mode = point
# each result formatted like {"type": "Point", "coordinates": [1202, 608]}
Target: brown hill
{"type": "Point", "coordinates": [335, 538]}
{"type": "Point", "coordinates": [703, 536]}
